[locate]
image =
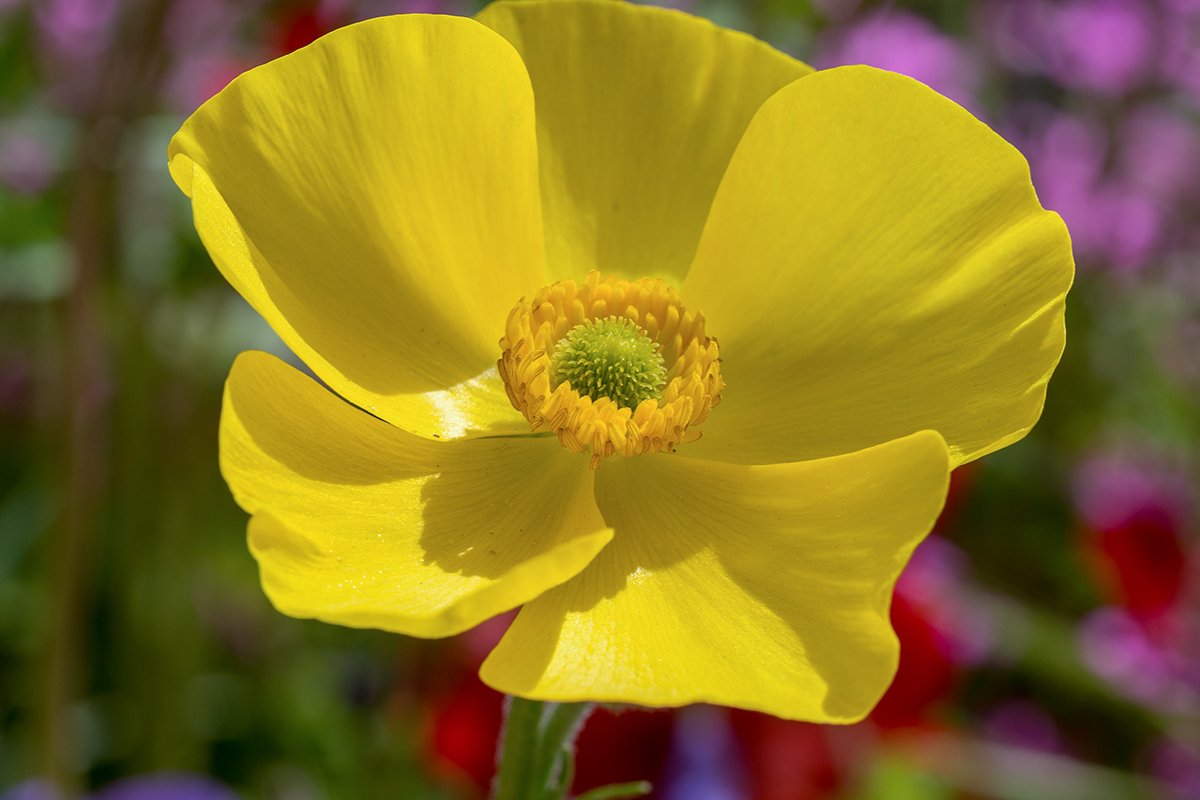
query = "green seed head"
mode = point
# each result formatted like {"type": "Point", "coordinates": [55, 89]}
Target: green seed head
{"type": "Point", "coordinates": [610, 358]}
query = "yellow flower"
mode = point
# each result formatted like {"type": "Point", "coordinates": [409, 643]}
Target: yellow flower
{"type": "Point", "coordinates": [884, 289]}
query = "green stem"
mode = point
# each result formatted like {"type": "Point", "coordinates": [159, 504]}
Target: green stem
{"type": "Point", "coordinates": [555, 763]}
{"type": "Point", "coordinates": [537, 756]}
{"type": "Point", "coordinates": [518, 746]}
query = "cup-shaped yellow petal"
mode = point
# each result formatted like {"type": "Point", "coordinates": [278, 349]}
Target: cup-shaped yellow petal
{"type": "Point", "coordinates": [877, 263]}
{"type": "Point", "coordinates": [374, 196]}
{"type": "Point", "coordinates": [761, 587]}
{"type": "Point", "coordinates": [887, 289]}
{"type": "Point", "coordinates": [359, 523]}
{"type": "Point", "coordinates": [638, 112]}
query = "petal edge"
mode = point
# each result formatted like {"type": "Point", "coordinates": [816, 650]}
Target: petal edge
{"type": "Point", "coordinates": [765, 587]}
{"type": "Point", "coordinates": [362, 524]}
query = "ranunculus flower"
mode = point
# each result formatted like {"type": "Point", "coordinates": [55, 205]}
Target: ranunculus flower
{"type": "Point", "coordinates": [886, 290]}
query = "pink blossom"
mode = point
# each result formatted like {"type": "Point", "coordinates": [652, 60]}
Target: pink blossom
{"type": "Point", "coordinates": [1160, 153]}
{"type": "Point", "coordinates": [77, 31]}
{"type": "Point", "coordinates": [1106, 45]}
{"type": "Point", "coordinates": [1114, 218]}
{"type": "Point", "coordinates": [1180, 60]}
{"type": "Point", "coordinates": [906, 43]}
{"type": "Point", "coordinates": [1101, 45]}
{"type": "Point", "coordinates": [1117, 648]}
{"type": "Point", "coordinates": [1110, 490]}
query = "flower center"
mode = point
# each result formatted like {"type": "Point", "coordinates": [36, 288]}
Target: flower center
{"type": "Point", "coordinates": [620, 367]}
{"type": "Point", "coordinates": [610, 358]}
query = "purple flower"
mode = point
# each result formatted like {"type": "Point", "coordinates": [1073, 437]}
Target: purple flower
{"type": "Point", "coordinates": [1125, 225]}
{"type": "Point", "coordinates": [150, 786]}
{"type": "Point", "coordinates": [1067, 159]}
{"type": "Point", "coordinates": [704, 763]}
{"type": "Point", "coordinates": [1113, 218]}
{"type": "Point", "coordinates": [1114, 646]}
{"type": "Point", "coordinates": [1106, 45]}
{"type": "Point", "coordinates": [166, 786]}
{"type": "Point", "coordinates": [1160, 154]}
{"type": "Point", "coordinates": [1102, 45]}
{"type": "Point", "coordinates": [73, 36]}
{"type": "Point", "coordinates": [906, 43]}
{"type": "Point", "coordinates": [1117, 648]}
{"type": "Point", "coordinates": [77, 31]}
{"type": "Point", "coordinates": [1180, 62]}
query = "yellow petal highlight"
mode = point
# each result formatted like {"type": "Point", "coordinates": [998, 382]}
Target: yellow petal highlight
{"type": "Point", "coordinates": [877, 263]}
{"type": "Point", "coordinates": [361, 524]}
{"type": "Point", "coordinates": [374, 196]}
{"type": "Point", "coordinates": [759, 587]}
{"type": "Point", "coordinates": [638, 112]}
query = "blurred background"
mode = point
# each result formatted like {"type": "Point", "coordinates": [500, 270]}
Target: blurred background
{"type": "Point", "coordinates": [1050, 628]}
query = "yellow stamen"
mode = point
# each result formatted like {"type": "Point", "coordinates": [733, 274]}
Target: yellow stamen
{"type": "Point", "coordinates": [692, 383]}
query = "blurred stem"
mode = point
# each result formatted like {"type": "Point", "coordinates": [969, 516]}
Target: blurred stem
{"type": "Point", "coordinates": [87, 446]}
{"type": "Point", "coordinates": [537, 756]}
{"type": "Point", "coordinates": [125, 84]}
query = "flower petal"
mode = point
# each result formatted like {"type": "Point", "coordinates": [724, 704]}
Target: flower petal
{"type": "Point", "coordinates": [876, 263]}
{"type": "Point", "coordinates": [759, 587]}
{"type": "Point", "coordinates": [359, 523]}
{"type": "Point", "coordinates": [638, 112]}
{"type": "Point", "coordinates": [374, 196]}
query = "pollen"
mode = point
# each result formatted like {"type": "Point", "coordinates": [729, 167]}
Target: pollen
{"type": "Point", "coordinates": [612, 366]}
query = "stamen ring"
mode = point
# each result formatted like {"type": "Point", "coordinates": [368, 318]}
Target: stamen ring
{"type": "Point", "coordinates": [692, 384]}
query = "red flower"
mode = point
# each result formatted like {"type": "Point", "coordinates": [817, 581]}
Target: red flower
{"type": "Point", "coordinates": [627, 746]}
{"type": "Point", "coordinates": [926, 674]}
{"type": "Point", "coordinates": [787, 760]}
{"type": "Point", "coordinates": [464, 726]}
{"type": "Point", "coordinates": [1143, 561]}
{"type": "Point", "coordinates": [464, 730]}
{"type": "Point", "coordinates": [300, 27]}
{"type": "Point", "coordinates": [1134, 516]}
